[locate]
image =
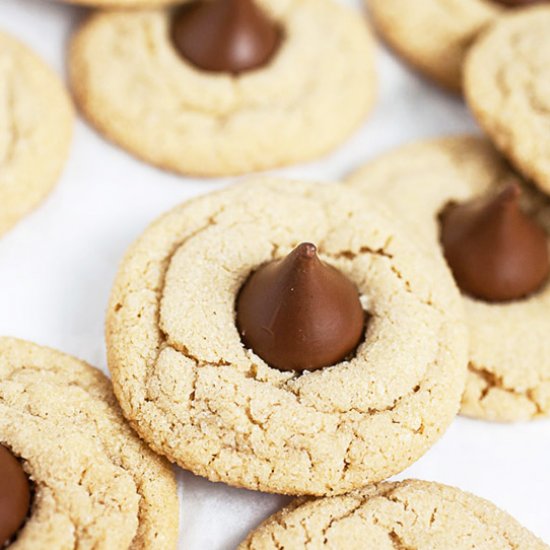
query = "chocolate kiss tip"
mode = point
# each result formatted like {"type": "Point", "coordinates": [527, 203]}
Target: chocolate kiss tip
{"type": "Point", "coordinates": [510, 193]}
{"type": "Point", "coordinates": [306, 250]}
{"type": "Point", "coordinates": [299, 313]}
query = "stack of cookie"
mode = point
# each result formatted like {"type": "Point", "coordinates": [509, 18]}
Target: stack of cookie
{"type": "Point", "coordinates": [296, 338]}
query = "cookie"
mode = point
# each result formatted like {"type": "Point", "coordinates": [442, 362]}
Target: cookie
{"type": "Point", "coordinates": [505, 83]}
{"type": "Point", "coordinates": [509, 368]}
{"type": "Point", "coordinates": [36, 120]}
{"type": "Point", "coordinates": [198, 395]}
{"type": "Point", "coordinates": [410, 514]}
{"type": "Point", "coordinates": [132, 83]}
{"type": "Point", "coordinates": [434, 35]}
{"type": "Point", "coordinates": [94, 483]}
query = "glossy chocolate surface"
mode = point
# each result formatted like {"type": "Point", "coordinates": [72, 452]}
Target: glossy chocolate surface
{"type": "Point", "coordinates": [231, 36]}
{"type": "Point", "coordinates": [300, 313]}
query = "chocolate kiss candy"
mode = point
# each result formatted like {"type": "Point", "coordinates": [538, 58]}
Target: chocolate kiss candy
{"type": "Point", "coordinates": [518, 3]}
{"type": "Point", "coordinates": [300, 313]}
{"type": "Point", "coordinates": [225, 35]}
{"type": "Point", "coordinates": [495, 251]}
{"type": "Point", "coordinates": [15, 495]}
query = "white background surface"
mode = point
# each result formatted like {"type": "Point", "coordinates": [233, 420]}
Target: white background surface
{"type": "Point", "coordinates": [57, 266]}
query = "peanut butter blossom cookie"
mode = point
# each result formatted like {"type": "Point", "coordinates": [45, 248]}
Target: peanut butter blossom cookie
{"type": "Point", "coordinates": [506, 84]}
{"type": "Point", "coordinates": [226, 86]}
{"type": "Point", "coordinates": [409, 515]}
{"type": "Point", "coordinates": [461, 196]}
{"type": "Point", "coordinates": [72, 472]}
{"type": "Point", "coordinates": [434, 35]}
{"type": "Point", "coordinates": [286, 337]}
{"type": "Point", "coordinates": [36, 120]}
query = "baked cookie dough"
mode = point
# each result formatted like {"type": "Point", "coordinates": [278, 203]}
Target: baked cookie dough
{"type": "Point", "coordinates": [408, 515]}
{"type": "Point", "coordinates": [133, 85]}
{"type": "Point", "coordinates": [506, 85]}
{"type": "Point", "coordinates": [197, 395]}
{"type": "Point", "coordinates": [36, 120]}
{"type": "Point", "coordinates": [95, 484]}
{"type": "Point", "coordinates": [509, 368]}
{"type": "Point", "coordinates": [433, 35]}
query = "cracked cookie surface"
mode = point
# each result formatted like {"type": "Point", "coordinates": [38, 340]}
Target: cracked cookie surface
{"type": "Point", "coordinates": [411, 515]}
{"type": "Point", "coordinates": [197, 395]}
{"type": "Point", "coordinates": [132, 84]}
{"type": "Point", "coordinates": [509, 368]}
{"type": "Point", "coordinates": [433, 35]}
{"type": "Point", "coordinates": [36, 119]}
{"type": "Point", "coordinates": [506, 85]}
{"type": "Point", "coordinates": [96, 484]}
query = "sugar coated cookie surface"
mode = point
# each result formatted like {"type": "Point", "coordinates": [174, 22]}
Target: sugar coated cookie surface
{"type": "Point", "coordinates": [199, 396]}
{"type": "Point", "coordinates": [407, 515]}
{"type": "Point", "coordinates": [36, 120]}
{"type": "Point", "coordinates": [509, 368]}
{"type": "Point", "coordinates": [94, 482]}
{"type": "Point", "coordinates": [132, 83]}
{"type": "Point", "coordinates": [506, 85]}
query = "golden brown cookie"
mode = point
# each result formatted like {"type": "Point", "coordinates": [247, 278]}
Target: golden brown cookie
{"type": "Point", "coordinates": [506, 85]}
{"type": "Point", "coordinates": [406, 515]}
{"type": "Point", "coordinates": [130, 81]}
{"type": "Point", "coordinates": [36, 120]}
{"type": "Point", "coordinates": [433, 35]}
{"type": "Point", "coordinates": [199, 396]}
{"type": "Point", "coordinates": [509, 369]}
{"type": "Point", "coordinates": [95, 484]}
